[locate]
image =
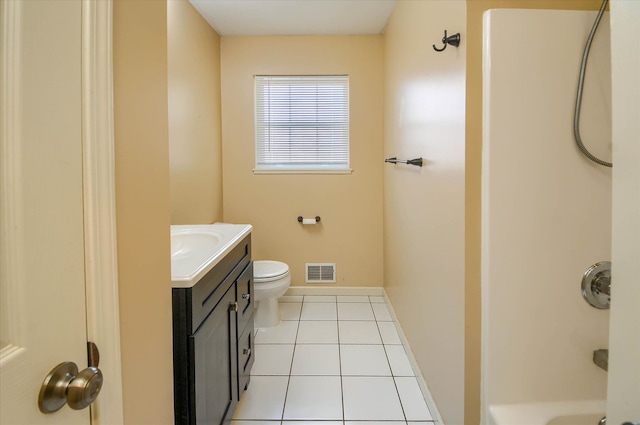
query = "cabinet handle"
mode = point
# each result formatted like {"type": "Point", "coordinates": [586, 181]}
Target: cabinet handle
{"type": "Point", "coordinates": [246, 296]}
{"type": "Point", "coordinates": [246, 351]}
{"type": "Point", "coordinates": [233, 306]}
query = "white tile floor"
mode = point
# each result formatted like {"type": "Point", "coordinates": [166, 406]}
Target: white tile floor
{"type": "Point", "coordinates": [335, 360]}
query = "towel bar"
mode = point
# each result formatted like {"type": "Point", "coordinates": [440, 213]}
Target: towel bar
{"type": "Point", "coordinates": [416, 161]}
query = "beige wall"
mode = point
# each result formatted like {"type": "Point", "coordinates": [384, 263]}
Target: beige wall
{"type": "Point", "coordinates": [475, 9]}
{"type": "Point", "coordinates": [195, 147]}
{"type": "Point", "coordinates": [350, 233]}
{"type": "Point", "coordinates": [142, 209]}
{"type": "Point", "coordinates": [424, 207]}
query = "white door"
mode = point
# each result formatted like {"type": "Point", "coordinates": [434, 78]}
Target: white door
{"type": "Point", "coordinates": [623, 388]}
{"type": "Point", "coordinates": [43, 317]}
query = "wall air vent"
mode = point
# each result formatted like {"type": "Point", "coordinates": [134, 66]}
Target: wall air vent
{"type": "Point", "coordinates": [320, 272]}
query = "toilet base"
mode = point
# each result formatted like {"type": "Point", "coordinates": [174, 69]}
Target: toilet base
{"type": "Point", "coordinates": [267, 313]}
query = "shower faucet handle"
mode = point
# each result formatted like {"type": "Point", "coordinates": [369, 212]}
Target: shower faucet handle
{"type": "Point", "coordinates": [596, 285]}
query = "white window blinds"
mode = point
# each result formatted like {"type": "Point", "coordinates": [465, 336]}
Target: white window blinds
{"type": "Point", "coordinates": [302, 123]}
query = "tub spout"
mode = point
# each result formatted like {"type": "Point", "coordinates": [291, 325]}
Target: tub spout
{"type": "Point", "coordinates": [601, 358]}
{"type": "Point", "coordinates": [603, 421]}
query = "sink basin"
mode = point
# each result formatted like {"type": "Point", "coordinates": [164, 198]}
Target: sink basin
{"type": "Point", "coordinates": [196, 249]}
{"type": "Point", "coordinates": [192, 247]}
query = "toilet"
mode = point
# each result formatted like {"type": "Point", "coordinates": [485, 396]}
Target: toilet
{"type": "Point", "coordinates": [271, 280]}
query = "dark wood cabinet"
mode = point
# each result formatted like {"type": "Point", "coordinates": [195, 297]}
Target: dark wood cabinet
{"type": "Point", "coordinates": [213, 340]}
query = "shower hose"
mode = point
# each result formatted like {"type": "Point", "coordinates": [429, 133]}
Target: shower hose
{"type": "Point", "coordinates": [583, 67]}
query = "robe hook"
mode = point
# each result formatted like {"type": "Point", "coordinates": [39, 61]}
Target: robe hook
{"type": "Point", "coordinates": [454, 40]}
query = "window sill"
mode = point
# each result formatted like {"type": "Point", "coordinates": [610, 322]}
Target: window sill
{"type": "Point", "coordinates": [299, 171]}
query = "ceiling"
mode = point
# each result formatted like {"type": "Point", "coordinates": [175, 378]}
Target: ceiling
{"type": "Point", "coordinates": [295, 17]}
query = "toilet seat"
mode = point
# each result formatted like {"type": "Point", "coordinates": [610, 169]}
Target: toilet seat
{"type": "Point", "coordinates": [268, 270]}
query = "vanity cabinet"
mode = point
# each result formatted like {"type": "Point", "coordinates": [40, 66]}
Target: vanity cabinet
{"type": "Point", "coordinates": [213, 340]}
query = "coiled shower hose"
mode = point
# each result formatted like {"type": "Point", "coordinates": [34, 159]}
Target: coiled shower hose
{"type": "Point", "coordinates": [583, 67]}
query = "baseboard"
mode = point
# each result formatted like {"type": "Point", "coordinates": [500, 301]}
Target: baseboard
{"type": "Point", "coordinates": [335, 290]}
{"type": "Point", "coordinates": [433, 409]}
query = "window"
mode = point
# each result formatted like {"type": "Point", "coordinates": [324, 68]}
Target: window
{"type": "Point", "coordinates": [302, 124]}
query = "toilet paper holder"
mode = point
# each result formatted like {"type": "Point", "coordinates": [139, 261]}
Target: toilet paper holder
{"type": "Point", "coordinates": [304, 221]}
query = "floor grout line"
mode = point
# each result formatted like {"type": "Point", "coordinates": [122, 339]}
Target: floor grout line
{"type": "Point", "coordinates": [340, 374]}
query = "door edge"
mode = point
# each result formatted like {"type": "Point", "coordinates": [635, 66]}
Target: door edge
{"type": "Point", "coordinates": [102, 301]}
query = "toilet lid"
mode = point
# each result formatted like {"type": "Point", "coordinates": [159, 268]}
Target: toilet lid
{"type": "Point", "coordinates": [267, 269]}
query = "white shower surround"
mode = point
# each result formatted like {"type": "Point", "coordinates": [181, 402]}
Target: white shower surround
{"type": "Point", "coordinates": [546, 209]}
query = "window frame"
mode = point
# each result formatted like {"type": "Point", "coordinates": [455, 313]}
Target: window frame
{"type": "Point", "coordinates": [298, 168]}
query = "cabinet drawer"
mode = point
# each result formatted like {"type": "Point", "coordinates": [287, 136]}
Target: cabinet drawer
{"type": "Point", "coordinates": [246, 356]}
{"type": "Point", "coordinates": [245, 297]}
{"type": "Point", "coordinates": [207, 292]}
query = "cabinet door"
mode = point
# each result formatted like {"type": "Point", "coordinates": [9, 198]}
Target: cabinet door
{"type": "Point", "coordinates": [215, 359]}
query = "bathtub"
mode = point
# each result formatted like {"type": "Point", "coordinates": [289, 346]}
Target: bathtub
{"type": "Point", "coordinates": [587, 412]}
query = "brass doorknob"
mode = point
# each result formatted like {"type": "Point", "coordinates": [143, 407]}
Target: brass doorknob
{"type": "Point", "coordinates": [65, 385]}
